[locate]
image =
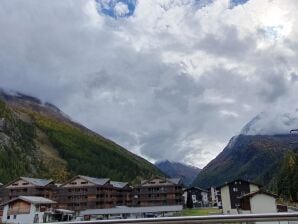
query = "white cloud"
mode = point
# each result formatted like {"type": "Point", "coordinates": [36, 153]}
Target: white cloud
{"type": "Point", "coordinates": [174, 81]}
{"type": "Point", "coordinates": [121, 9]}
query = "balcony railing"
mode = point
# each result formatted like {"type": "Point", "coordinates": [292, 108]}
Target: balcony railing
{"type": "Point", "coordinates": [242, 218]}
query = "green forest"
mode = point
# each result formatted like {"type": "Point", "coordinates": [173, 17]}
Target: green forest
{"type": "Point", "coordinates": [29, 141]}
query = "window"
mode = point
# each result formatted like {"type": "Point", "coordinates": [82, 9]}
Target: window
{"type": "Point", "coordinates": [8, 217]}
{"type": "Point", "coordinates": [25, 183]}
{"type": "Point", "coordinates": [15, 217]}
{"type": "Point", "coordinates": [235, 189]}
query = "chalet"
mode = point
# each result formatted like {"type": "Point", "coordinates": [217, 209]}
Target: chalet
{"type": "Point", "coordinates": [27, 210]}
{"type": "Point", "coordinates": [196, 197]}
{"type": "Point", "coordinates": [82, 192]}
{"type": "Point", "coordinates": [123, 193]}
{"type": "Point", "coordinates": [159, 191]}
{"type": "Point", "coordinates": [258, 202]}
{"type": "Point", "coordinates": [231, 192]}
{"type": "Point", "coordinates": [215, 197]}
{"type": "Point", "coordinates": [25, 186]}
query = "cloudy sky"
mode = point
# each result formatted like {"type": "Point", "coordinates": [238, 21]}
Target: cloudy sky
{"type": "Point", "coordinates": [167, 79]}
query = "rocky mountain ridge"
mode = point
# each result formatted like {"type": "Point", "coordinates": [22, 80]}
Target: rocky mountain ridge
{"type": "Point", "coordinates": [175, 169]}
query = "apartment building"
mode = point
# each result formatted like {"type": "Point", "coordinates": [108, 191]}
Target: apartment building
{"type": "Point", "coordinates": [25, 186]}
{"type": "Point", "coordinates": [158, 191]}
{"type": "Point", "coordinates": [123, 193]}
{"type": "Point", "coordinates": [82, 192]}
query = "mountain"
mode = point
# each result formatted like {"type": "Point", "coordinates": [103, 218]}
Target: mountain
{"type": "Point", "coordinates": [252, 157]}
{"type": "Point", "coordinates": [272, 123]}
{"type": "Point", "coordinates": [258, 153]}
{"type": "Point", "coordinates": [39, 140]}
{"type": "Point", "coordinates": [175, 169]}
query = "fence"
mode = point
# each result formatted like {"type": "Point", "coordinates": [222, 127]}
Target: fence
{"type": "Point", "coordinates": [242, 218]}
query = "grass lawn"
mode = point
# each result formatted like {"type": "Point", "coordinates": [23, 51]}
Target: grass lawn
{"type": "Point", "coordinates": [199, 211]}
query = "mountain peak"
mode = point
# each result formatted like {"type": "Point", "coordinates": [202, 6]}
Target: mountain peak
{"type": "Point", "coordinates": [272, 123]}
{"type": "Point", "coordinates": [177, 169]}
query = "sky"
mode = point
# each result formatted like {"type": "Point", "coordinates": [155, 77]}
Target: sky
{"type": "Point", "coordinates": [167, 79]}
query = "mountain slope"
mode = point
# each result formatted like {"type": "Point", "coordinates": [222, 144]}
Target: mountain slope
{"type": "Point", "coordinates": [39, 140]}
{"type": "Point", "coordinates": [175, 169]}
{"type": "Point", "coordinates": [252, 157]}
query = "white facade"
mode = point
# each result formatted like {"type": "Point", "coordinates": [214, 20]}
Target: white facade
{"type": "Point", "coordinates": [33, 217]}
{"type": "Point", "coordinates": [226, 198]}
{"type": "Point", "coordinates": [226, 201]}
{"type": "Point", "coordinates": [262, 203]}
{"type": "Point", "coordinates": [27, 210]}
{"type": "Point", "coordinates": [205, 198]}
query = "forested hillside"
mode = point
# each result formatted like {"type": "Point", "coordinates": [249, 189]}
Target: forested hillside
{"type": "Point", "coordinates": [39, 140]}
{"type": "Point", "coordinates": [287, 179]}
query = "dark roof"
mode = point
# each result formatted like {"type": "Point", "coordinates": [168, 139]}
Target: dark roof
{"type": "Point", "coordinates": [227, 183]}
{"type": "Point", "coordinates": [174, 180]}
{"type": "Point", "coordinates": [171, 180]}
{"type": "Point", "coordinates": [119, 185]}
{"type": "Point", "coordinates": [37, 182]}
{"type": "Point", "coordinates": [94, 180]}
{"type": "Point", "coordinates": [97, 181]}
{"type": "Point", "coordinates": [34, 181]}
{"type": "Point", "coordinates": [251, 194]}
{"type": "Point", "coordinates": [198, 188]}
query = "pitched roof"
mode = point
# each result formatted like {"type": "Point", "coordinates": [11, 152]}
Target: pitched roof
{"type": "Point", "coordinates": [117, 184]}
{"type": "Point", "coordinates": [34, 181]}
{"type": "Point", "coordinates": [31, 199]}
{"type": "Point", "coordinates": [170, 180]}
{"type": "Point", "coordinates": [37, 182]}
{"type": "Point", "coordinates": [226, 183]}
{"type": "Point", "coordinates": [174, 180]}
{"type": "Point", "coordinates": [94, 180]}
{"type": "Point", "coordinates": [198, 188]}
{"type": "Point", "coordinates": [251, 194]}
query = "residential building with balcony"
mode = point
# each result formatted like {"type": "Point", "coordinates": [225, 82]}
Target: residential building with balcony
{"type": "Point", "coordinates": [82, 192]}
{"type": "Point", "coordinates": [25, 186]}
{"type": "Point", "coordinates": [123, 193]}
{"type": "Point", "coordinates": [158, 191]}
